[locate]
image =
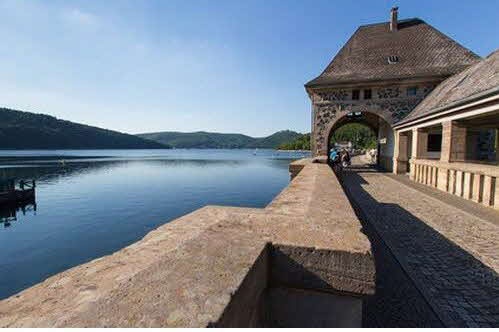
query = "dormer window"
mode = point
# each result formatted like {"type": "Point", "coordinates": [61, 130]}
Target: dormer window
{"type": "Point", "coordinates": [393, 59]}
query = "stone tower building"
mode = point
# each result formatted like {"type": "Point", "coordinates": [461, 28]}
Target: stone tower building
{"type": "Point", "coordinates": [379, 76]}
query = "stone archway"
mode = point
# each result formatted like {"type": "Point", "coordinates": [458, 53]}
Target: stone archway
{"type": "Point", "coordinates": [370, 121]}
{"type": "Point", "coordinates": [330, 117]}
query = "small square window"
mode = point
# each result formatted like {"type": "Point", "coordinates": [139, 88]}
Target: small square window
{"type": "Point", "coordinates": [412, 91]}
{"type": "Point", "coordinates": [368, 94]}
{"type": "Point", "coordinates": [355, 94]}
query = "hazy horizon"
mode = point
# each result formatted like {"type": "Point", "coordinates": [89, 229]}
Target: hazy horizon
{"type": "Point", "coordinates": [224, 67]}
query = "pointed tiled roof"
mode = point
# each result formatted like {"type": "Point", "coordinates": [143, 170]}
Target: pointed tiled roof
{"type": "Point", "coordinates": [422, 51]}
{"type": "Point", "coordinates": [477, 81]}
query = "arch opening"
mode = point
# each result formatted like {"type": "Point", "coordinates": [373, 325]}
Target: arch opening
{"type": "Point", "coordinates": [363, 132]}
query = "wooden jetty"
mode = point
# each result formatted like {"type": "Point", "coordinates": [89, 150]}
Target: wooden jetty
{"type": "Point", "coordinates": [9, 193]}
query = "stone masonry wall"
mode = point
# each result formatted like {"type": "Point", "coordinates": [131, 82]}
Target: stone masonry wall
{"type": "Point", "coordinates": [391, 103]}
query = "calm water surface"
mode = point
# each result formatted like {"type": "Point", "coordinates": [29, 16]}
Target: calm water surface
{"type": "Point", "coordinates": [98, 201]}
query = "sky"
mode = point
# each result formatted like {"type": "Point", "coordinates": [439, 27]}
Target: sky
{"type": "Point", "coordinates": [229, 66]}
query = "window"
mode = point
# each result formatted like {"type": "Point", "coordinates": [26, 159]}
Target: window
{"type": "Point", "coordinates": [434, 142]}
{"type": "Point", "coordinates": [367, 94]}
{"type": "Point", "coordinates": [355, 94]}
{"type": "Point", "coordinates": [412, 91]}
{"type": "Point", "coordinates": [393, 59]}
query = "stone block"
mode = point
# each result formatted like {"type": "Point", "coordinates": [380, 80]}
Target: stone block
{"type": "Point", "coordinates": [467, 190]}
{"type": "Point", "coordinates": [477, 186]}
{"type": "Point", "coordinates": [443, 179]}
{"type": "Point", "coordinates": [488, 190]}
{"type": "Point", "coordinates": [293, 308]}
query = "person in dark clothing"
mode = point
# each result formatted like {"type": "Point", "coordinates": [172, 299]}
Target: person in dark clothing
{"type": "Point", "coordinates": [345, 158]}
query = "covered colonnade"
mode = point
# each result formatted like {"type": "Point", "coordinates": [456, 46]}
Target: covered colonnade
{"type": "Point", "coordinates": [450, 140]}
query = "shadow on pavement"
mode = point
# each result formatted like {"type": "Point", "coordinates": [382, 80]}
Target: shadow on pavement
{"type": "Point", "coordinates": [423, 278]}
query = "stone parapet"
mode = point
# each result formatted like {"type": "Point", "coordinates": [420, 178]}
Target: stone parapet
{"type": "Point", "coordinates": [221, 266]}
{"type": "Point", "coordinates": [478, 182]}
{"type": "Point", "coordinates": [296, 166]}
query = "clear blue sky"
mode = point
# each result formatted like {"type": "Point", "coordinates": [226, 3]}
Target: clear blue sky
{"type": "Point", "coordinates": [188, 65]}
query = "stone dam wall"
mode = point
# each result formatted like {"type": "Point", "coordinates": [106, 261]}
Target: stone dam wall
{"type": "Point", "coordinates": [300, 262]}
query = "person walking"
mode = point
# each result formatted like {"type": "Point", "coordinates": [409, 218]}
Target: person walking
{"type": "Point", "coordinates": [335, 160]}
{"type": "Point", "coordinates": [333, 155]}
{"type": "Point", "coordinates": [345, 158]}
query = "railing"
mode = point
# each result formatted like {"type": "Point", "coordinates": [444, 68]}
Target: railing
{"type": "Point", "coordinates": [26, 185]}
{"type": "Point", "coordinates": [472, 181]}
{"type": "Point", "coordinates": [10, 185]}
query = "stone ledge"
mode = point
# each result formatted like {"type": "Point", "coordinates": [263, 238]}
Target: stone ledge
{"type": "Point", "coordinates": [213, 267]}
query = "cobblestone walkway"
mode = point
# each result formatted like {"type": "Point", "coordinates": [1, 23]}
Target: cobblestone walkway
{"type": "Point", "coordinates": [451, 256]}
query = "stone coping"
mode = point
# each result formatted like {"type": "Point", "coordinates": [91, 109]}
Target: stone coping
{"type": "Point", "coordinates": [478, 168]}
{"type": "Point", "coordinates": [212, 267]}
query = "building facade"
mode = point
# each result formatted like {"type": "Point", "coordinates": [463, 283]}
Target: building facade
{"type": "Point", "coordinates": [381, 74]}
{"type": "Point", "coordinates": [450, 140]}
{"type": "Point", "coordinates": [432, 103]}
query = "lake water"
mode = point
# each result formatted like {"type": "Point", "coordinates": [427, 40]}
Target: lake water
{"type": "Point", "coordinates": [93, 203]}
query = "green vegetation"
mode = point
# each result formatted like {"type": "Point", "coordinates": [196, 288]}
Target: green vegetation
{"type": "Point", "coordinates": [204, 140]}
{"type": "Point", "coordinates": [361, 136]}
{"type": "Point", "coordinates": [24, 130]}
{"type": "Point", "coordinates": [299, 143]}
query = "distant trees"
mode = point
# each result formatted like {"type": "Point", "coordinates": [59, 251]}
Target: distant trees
{"type": "Point", "coordinates": [300, 143]}
{"type": "Point", "coordinates": [24, 130]}
{"type": "Point", "coordinates": [361, 136]}
{"type": "Point", "coordinates": [204, 140]}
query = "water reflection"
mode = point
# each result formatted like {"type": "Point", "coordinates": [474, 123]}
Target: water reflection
{"type": "Point", "coordinates": [54, 171]}
{"type": "Point", "coordinates": [93, 207]}
{"type": "Point", "coordinates": [9, 212]}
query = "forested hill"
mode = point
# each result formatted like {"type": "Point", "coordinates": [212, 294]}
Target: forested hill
{"type": "Point", "coordinates": [25, 130]}
{"type": "Point", "coordinates": [205, 140]}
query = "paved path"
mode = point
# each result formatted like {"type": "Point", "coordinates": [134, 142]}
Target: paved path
{"type": "Point", "coordinates": [449, 257]}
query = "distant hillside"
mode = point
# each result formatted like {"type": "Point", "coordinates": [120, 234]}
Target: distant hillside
{"type": "Point", "coordinates": [300, 143]}
{"type": "Point", "coordinates": [24, 130]}
{"type": "Point", "coordinates": [204, 140]}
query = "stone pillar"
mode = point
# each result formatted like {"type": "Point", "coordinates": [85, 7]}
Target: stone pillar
{"type": "Point", "coordinates": [419, 142]}
{"type": "Point", "coordinates": [446, 178]}
{"type": "Point", "coordinates": [445, 154]}
{"type": "Point", "coordinates": [313, 143]}
{"type": "Point", "coordinates": [400, 158]}
{"type": "Point", "coordinates": [458, 143]}
{"type": "Point", "coordinates": [414, 154]}
{"type": "Point", "coordinates": [453, 142]}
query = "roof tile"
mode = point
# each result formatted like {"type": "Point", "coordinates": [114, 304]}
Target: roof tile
{"type": "Point", "coordinates": [476, 80]}
{"type": "Point", "coordinates": [422, 51]}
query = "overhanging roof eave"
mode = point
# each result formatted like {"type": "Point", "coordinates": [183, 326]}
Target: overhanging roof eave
{"type": "Point", "coordinates": [375, 80]}
{"type": "Point", "coordinates": [458, 103]}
